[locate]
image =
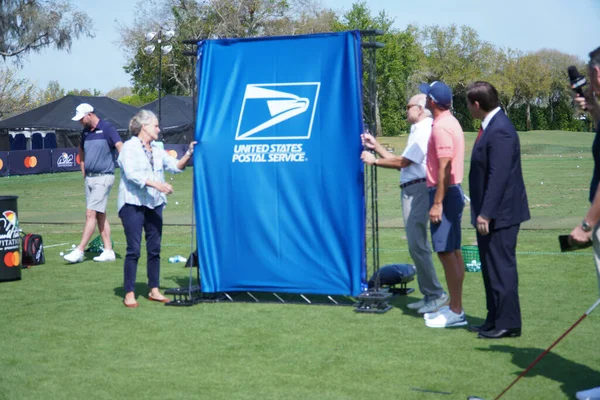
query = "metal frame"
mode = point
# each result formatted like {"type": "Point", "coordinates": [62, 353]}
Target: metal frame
{"type": "Point", "coordinates": [374, 300]}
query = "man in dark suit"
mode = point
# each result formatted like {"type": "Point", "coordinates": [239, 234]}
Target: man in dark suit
{"type": "Point", "coordinates": [498, 207]}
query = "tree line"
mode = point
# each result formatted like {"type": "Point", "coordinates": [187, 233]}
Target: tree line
{"type": "Point", "coordinates": [534, 87]}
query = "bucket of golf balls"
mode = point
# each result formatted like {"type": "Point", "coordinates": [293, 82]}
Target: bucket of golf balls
{"type": "Point", "coordinates": [471, 258]}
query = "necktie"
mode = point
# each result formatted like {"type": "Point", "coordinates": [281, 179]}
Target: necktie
{"type": "Point", "coordinates": [479, 134]}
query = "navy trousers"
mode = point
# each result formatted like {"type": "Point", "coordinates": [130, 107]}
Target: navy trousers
{"type": "Point", "coordinates": [134, 219]}
{"type": "Point", "coordinates": [497, 251]}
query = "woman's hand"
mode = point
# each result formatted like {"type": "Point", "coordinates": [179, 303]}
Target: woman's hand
{"type": "Point", "coordinates": [190, 149]}
{"type": "Point", "coordinates": [162, 187]}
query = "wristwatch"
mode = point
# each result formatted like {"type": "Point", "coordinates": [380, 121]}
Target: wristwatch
{"type": "Point", "coordinates": [585, 226]}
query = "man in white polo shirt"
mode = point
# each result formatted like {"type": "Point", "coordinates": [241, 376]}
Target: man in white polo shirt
{"type": "Point", "coordinates": [415, 199]}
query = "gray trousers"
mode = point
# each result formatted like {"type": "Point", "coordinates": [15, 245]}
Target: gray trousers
{"type": "Point", "coordinates": [415, 210]}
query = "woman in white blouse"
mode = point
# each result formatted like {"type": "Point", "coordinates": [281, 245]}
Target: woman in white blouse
{"type": "Point", "coordinates": [142, 196]}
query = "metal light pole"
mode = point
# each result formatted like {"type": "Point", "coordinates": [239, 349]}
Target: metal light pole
{"type": "Point", "coordinates": [163, 35]}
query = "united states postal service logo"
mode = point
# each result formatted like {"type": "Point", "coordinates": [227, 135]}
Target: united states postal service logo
{"type": "Point", "coordinates": [278, 111]}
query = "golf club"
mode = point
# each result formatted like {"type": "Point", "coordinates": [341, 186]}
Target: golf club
{"type": "Point", "coordinates": [543, 354]}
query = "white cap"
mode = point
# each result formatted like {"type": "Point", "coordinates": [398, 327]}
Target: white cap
{"type": "Point", "coordinates": [82, 110]}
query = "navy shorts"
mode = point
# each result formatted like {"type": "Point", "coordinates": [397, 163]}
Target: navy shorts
{"type": "Point", "coordinates": [446, 236]}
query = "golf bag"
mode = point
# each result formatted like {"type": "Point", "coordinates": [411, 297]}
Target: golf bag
{"type": "Point", "coordinates": [33, 250]}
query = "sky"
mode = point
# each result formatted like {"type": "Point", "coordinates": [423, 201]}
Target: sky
{"type": "Point", "coordinates": [570, 26]}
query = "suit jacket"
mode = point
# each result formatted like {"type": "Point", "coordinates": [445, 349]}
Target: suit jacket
{"type": "Point", "coordinates": [496, 180]}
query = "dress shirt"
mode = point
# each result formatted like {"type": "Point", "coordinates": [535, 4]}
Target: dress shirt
{"type": "Point", "coordinates": [488, 118]}
{"type": "Point", "coordinates": [416, 151]}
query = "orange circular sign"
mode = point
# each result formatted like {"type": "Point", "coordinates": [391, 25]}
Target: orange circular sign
{"type": "Point", "coordinates": [12, 259]}
{"type": "Point", "coordinates": [30, 162]}
{"type": "Point", "coordinates": [77, 159]}
{"type": "Point", "coordinates": [172, 153]}
{"type": "Point", "coordinates": [1, 164]}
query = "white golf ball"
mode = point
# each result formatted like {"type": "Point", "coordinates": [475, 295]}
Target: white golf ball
{"type": "Point", "coordinates": [61, 254]}
{"type": "Point", "coordinates": [541, 183]}
{"type": "Point", "coordinates": [176, 202]}
{"type": "Point", "coordinates": [72, 246]}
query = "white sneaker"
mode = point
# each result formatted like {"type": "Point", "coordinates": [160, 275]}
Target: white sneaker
{"type": "Point", "coordinates": [106, 255]}
{"type": "Point", "coordinates": [589, 394]}
{"type": "Point", "coordinates": [446, 319]}
{"type": "Point", "coordinates": [434, 305]}
{"type": "Point", "coordinates": [76, 256]}
{"type": "Point", "coordinates": [416, 305]}
{"type": "Point", "coordinates": [433, 315]}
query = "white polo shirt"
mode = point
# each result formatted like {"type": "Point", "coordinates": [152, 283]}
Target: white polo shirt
{"type": "Point", "coordinates": [416, 151]}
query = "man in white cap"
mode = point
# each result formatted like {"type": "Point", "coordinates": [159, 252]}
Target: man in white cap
{"type": "Point", "coordinates": [99, 139]}
{"type": "Point", "coordinates": [415, 198]}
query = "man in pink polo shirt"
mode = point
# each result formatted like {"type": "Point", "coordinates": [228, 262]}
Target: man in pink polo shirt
{"type": "Point", "coordinates": [445, 165]}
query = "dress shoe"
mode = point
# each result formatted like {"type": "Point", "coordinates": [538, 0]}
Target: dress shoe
{"type": "Point", "coordinates": [499, 333]}
{"type": "Point", "coordinates": [479, 328]}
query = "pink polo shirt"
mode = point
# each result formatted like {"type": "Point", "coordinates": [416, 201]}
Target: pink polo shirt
{"type": "Point", "coordinates": [447, 140]}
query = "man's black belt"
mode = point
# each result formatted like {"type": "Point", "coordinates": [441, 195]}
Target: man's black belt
{"type": "Point", "coordinates": [93, 174]}
{"type": "Point", "coordinates": [406, 184]}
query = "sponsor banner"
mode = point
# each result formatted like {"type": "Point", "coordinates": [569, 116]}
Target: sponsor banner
{"type": "Point", "coordinates": [3, 163]}
{"type": "Point", "coordinates": [10, 240]}
{"type": "Point", "coordinates": [65, 160]}
{"type": "Point", "coordinates": [30, 162]}
{"type": "Point", "coordinates": [279, 182]}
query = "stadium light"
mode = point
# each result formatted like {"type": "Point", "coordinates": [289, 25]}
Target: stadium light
{"type": "Point", "coordinates": [163, 35]}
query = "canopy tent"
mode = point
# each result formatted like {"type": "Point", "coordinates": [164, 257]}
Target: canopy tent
{"type": "Point", "coordinates": [177, 118]}
{"type": "Point", "coordinates": [56, 116]}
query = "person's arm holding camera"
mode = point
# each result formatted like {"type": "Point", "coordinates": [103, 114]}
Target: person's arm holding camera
{"type": "Point", "coordinates": [582, 233]}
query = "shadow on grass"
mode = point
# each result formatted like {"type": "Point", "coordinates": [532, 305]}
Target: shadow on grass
{"type": "Point", "coordinates": [141, 290]}
{"type": "Point", "coordinates": [572, 376]}
{"type": "Point", "coordinates": [182, 280]}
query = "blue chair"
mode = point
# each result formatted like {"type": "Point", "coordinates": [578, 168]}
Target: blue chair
{"type": "Point", "coordinates": [19, 142]}
{"type": "Point", "coordinates": [50, 140]}
{"type": "Point", "coordinates": [37, 141]}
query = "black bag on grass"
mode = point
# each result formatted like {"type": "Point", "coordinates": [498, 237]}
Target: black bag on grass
{"type": "Point", "coordinates": [33, 250]}
{"type": "Point", "coordinates": [393, 274]}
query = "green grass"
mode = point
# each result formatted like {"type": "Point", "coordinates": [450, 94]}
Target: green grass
{"type": "Point", "coordinates": [64, 333]}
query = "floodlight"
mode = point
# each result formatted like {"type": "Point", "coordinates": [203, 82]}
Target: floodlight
{"type": "Point", "coordinates": [149, 49]}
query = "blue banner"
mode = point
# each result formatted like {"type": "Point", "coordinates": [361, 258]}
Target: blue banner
{"type": "Point", "coordinates": [3, 163]}
{"type": "Point", "coordinates": [278, 179]}
{"type": "Point", "coordinates": [25, 162]}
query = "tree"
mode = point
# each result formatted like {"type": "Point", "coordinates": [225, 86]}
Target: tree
{"type": "Point", "coordinates": [137, 100]}
{"type": "Point", "coordinates": [84, 92]}
{"type": "Point", "coordinates": [52, 92]}
{"type": "Point", "coordinates": [559, 97]}
{"type": "Point", "coordinates": [16, 95]}
{"type": "Point", "coordinates": [201, 20]}
{"type": "Point", "coordinates": [395, 63]}
{"type": "Point", "coordinates": [119, 92]}
{"type": "Point", "coordinates": [31, 25]}
{"type": "Point", "coordinates": [456, 56]}
{"type": "Point", "coordinates": [530, 77]}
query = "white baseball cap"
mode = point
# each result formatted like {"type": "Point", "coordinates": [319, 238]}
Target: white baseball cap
{"type": "Point", "coordinates": [82, 110]}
